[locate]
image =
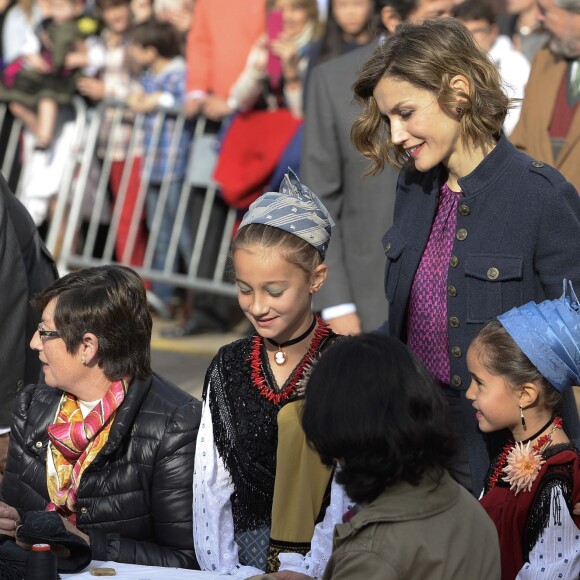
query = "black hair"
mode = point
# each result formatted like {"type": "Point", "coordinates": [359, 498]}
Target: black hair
{"type": "Point", "coordinates": [111, 303]}
{"type": "Point", "coordinates": [106, 4]}
{"type": "Point", "coordinates": [162, 36]}
{"type": "Point", "coordinates": [332, 43]}
{"type": "Point", "coordinates": [474, 10]}
{"type": "Point", "coordinates": [372, 406]}
{"type": "Point", "coordinates": [499, 353]}
{"type": "Point", "coordinates": [403, 8]}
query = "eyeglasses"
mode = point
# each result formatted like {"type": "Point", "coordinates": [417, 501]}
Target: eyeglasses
{"type": "Point", "coordinates": [48, 333]}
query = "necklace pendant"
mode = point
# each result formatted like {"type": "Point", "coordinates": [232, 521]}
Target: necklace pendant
{"type": "Point", "coordinates": [280, 357]}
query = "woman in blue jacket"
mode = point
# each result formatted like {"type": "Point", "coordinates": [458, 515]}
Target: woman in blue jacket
{"type": "Point", "coordinates": [479, 227]}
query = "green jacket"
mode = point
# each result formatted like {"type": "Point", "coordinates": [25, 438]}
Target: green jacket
{"type": "Point", "coordinates": [433, 531]}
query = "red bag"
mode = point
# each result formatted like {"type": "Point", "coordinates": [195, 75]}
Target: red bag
{"type": "Point", "coordinates": [250, 152]}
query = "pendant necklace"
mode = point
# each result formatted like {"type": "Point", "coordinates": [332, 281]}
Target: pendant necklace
{"type": "Point", "coordinates": [281, 357]}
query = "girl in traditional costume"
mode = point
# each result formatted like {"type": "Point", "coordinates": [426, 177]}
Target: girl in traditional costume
{"type": "Point", "coordinates": [259, 488]}
{"type": "Point", "coordinates": [520, 365]}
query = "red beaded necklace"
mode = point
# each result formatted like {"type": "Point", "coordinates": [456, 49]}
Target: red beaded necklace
{"type": "Point", "coordinates": [502, 459]}
{"type": "Point", "coordinates": [258, 378]}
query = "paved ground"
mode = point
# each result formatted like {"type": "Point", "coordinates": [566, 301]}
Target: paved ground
{"type": "Point", "coordinates": [185, 360]}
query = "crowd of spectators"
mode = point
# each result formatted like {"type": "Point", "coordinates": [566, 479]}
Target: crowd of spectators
{"type": "Point", "coordinates": [257, 68]}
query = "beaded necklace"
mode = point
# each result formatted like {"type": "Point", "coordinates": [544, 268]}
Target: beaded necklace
{"type": "Point", "coordinates": [259, 379]}
{"type": "Point", "coordinates": [538, 447]}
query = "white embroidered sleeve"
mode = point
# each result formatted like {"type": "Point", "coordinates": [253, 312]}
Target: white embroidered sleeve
{"type": "Point", "coordinates": [557, 551]}
{"type": "Point", "coordinates": [314, 563]}
{"type": "Point", "coordinates": [213, 524]}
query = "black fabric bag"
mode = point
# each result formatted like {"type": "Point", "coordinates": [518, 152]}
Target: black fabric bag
{"type": "Point", "coordinates": [39, 527]}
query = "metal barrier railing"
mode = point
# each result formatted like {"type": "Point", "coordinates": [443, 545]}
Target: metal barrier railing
{"type": "Point", "coordinates": [16, 154]}
{"type": "Point", "coordinates": [204, 268]}
{"type": "Point", "coordinates": [83, 203]}
{"type": "Point", "coordinates": [11, 131]}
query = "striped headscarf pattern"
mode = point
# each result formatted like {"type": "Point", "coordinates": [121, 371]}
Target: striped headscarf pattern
{"type": "Point", "coordinates": [294, 209]}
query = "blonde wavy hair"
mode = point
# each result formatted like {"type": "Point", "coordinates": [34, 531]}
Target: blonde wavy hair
{"type": "Point", "coordinates": [428, 56]}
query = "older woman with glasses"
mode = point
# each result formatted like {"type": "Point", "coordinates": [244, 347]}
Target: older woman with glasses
{"type": "Point", "coordinates": [105, 443]}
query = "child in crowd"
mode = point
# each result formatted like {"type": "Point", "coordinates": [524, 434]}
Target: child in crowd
{"type": "Point", "coordinates": [20, 20]}
{"type": "Point", "coordinates": [258, 488]}
{"type": "Point", "coordinates": [179, 13]}
{"type": "Point", "coordinates": [141, 10]}
{"type": "Point", "coordinates": [155, 48]}
{"type": "Point", "coordinates": [115, 82]}
{"type": "Point", "coordinates": [349, 25]}
{"type": "Point", "coordinates": [373, 409]}
{"type": "Point", "coordinates": [479, 17]}
{"type": "Point", "coordinates": [40, 80]}
{"type": "Point", "coordinates": [520, 364]}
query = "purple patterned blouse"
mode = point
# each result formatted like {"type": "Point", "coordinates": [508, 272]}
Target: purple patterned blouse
{"type": "Point", "coordinates": [427, 316]}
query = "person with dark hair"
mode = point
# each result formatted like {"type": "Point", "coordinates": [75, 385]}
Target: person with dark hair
{"type": "Point", "coordinates": [520, 364]}
{"type": "Point", "coordinates": [155, 49]}
{"type": "Point", "coordinates": [480, 18]}
{"type": "Point", "coordinates": [362, 205]}
{"type": "Point", "coordinates": [259, 490]}
{"type": "Point", "coordinates": [105, 443]}
{"type": "Point", "coordinates": [27, 268]}
{"type": "Point", "coordinates": [114, 143]}
{"type": "Point", "coordinates": [384, 423]}
{"type": "Point", "coordinates": [479, 227]}
{"type": "Point", "coordinates": [349, 25]}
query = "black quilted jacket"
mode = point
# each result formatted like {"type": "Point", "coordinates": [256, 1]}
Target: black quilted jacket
{"type": "Point", "coordinates": [135, 499]}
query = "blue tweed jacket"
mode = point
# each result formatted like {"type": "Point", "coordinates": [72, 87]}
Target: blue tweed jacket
{"type": "Point", "coordinates": [518, 236]}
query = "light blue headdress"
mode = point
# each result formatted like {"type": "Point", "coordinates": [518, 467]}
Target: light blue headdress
{"type": "Point", "coordinates": [294, 209]}
{"type": "Point", "coordinates": [549, 335]}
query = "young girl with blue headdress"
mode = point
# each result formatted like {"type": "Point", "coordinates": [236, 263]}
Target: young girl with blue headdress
{"type": "Point", "coordinates": [520, 365]}
{"type": "Point", "coordinates": [259, 489]}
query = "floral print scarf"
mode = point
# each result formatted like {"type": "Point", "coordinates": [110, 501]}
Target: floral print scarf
{"type": "Point", "coordinates": [75, 442]}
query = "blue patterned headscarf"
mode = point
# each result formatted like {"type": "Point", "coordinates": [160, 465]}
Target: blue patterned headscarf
{"type": "Point", "coordinates": [294, 209]}
{"type": "Point", "coordinates": [549, 335]}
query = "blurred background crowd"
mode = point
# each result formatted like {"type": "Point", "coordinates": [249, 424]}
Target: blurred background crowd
{"type": "Point", "coordinates": [125, 120]}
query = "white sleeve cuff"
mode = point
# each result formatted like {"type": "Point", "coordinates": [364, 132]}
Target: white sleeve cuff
{"type": "Point", "coordinates": [338, 310]}
{"type": "Point", "coordinates": [4, 430]}
{"type": "Point", "coordinates": [166, 100]}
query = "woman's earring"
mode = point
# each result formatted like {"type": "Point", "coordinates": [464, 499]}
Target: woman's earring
{"type": "Point", "coordinates": [83, 360]}
{"type": "Point", "coordinates": [522, 417]}
{"type": "Point", "coordinates": [459, 111]}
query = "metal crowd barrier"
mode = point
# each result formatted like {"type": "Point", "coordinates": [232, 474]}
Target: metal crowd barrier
{"type": "Point", "coordinates": [199, 209]}
{"type": "Point", "coordinates": [17, 163]}
{"type": "Point", "coordinates": [85, 225]}
{"type": "Point", "coordinates": [10, 135]}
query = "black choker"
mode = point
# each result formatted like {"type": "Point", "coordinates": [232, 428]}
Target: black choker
{"type": "Point", "coordinates": [539, 432]}
{"type": "Point", "coordinates": [281, 357]}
